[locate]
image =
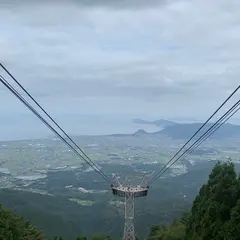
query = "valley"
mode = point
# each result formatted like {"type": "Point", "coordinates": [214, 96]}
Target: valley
{"type": "Point", "coordinates": [44, 182]}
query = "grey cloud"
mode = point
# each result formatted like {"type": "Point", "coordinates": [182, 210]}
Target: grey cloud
{"type": "Point", "coordinates": [123, 4]}
{"type": "Point", "coordinates": [101, 58]}
{"type": "Point", "coordinates": [135, 81]}
{"type": "Point", "coordinates": [112, 4]}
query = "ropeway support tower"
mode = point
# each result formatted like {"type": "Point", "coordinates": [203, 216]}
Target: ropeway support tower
{"type": "Point", "coordinates": [129, 193]}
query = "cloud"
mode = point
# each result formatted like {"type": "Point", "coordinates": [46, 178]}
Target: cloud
{"type": "Point", "coordinates": [111, 4]}
{"type": "Point", "coordinates": [153, 58]}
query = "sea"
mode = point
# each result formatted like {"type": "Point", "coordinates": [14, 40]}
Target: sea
{"type": "Point", "coordinates": [27, 128]}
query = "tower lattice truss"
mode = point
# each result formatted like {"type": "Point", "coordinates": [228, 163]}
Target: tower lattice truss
{"type": "Point", "coordinates": [129, 193]}
{"type": "Point", "coordinates": [129, 233]}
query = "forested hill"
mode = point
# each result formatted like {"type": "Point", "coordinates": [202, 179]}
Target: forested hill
{"type": "Point", "coordinates": [215, 214]}
{"type": "Point", "coordinates": [13, 227]}
{"type": "Point", "coordinates": [185, 131]}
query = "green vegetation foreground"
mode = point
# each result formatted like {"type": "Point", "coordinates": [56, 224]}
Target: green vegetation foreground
{"type": "Point", "coordinates": [215, 214]}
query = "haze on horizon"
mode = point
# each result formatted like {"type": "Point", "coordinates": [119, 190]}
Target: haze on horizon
{"type": "Point", "coordinates": [113, 60]}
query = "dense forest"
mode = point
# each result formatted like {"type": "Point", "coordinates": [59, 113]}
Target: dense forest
{"type": "Point", "coordinates": [55, 214]}
{"type": "Point", "coordinates": [13, 227]}
{"type": "Point", "coordinates": [215, 214]}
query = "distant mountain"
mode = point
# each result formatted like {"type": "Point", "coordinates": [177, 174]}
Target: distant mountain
{"type": "Point", "coordinates": [140, 132]}
{"type": "Point", "coordinates": [183, 131]}
{"type": "Point", "coordinates": [160, 122]}
{"type": "Point", "coordinates": [186, 130]}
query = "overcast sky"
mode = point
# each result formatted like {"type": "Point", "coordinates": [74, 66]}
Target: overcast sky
{"type": "Point", "coordinates": [127, 58]}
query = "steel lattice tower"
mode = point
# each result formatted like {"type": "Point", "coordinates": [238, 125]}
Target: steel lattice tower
{"type": "Point", "coordinates": [129, 193]}
{"type": "Point", "coordinates": [129, 232]}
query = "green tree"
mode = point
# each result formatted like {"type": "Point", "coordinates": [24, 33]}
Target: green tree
{"type": "Point", "coordinates": [233, 227]}
{"type": "Point", "coordinates": [13, 227]}
{"type": "Point", "coordinates": [155, 230]}
{"type": "Point", "coordinates": [211, 209]}
{"type": "Point", "coordinates": [98, 237]}
{"type": "Point", "coordinates": [81, 238]}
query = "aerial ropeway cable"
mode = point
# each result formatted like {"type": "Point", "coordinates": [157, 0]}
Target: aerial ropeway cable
{"type": "Point", "coordinates": [31, 108]}
{"type": "Point", "coordinates": [31, 97]}
{"type": "Point", "coordinates": [18, 95]}
{"type": "Point", "coordinates": [119, 190]}
{"type": "Point", "coordinates": [204, 136]}
{"type": "Point", "coordinates": [233, 110]}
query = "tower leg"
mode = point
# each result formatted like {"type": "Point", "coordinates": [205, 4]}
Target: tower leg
{"type": "Point", "coordinates": [129, 233]}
